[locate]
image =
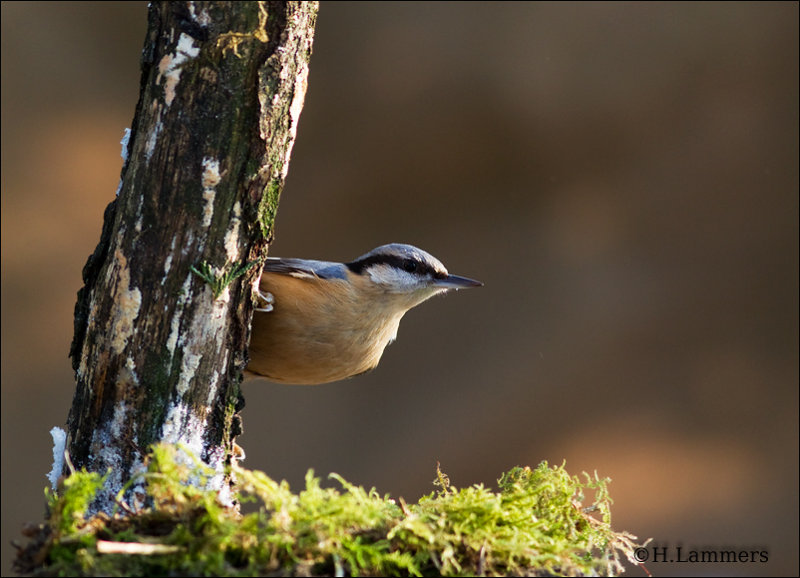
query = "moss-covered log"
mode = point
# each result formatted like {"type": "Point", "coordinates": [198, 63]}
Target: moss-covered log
{"type": "Point", "coordinates": [539, 522]}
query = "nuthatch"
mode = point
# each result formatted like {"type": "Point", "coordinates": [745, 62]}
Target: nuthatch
{"type": "Point", "coordinates": [331, 321]}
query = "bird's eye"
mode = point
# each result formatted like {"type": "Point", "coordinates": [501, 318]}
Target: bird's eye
{"type": "Point", "coordinates": [409, 266]}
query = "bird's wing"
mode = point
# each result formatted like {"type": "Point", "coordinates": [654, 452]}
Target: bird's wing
{"type": "Point", "coordinates": [305, 268]}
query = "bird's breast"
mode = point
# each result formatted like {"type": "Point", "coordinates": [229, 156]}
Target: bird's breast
{"type": "Point", "coordinates": [317, 332]}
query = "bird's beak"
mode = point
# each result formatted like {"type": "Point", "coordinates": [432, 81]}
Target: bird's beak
{"type": "Point", "coordinates": [456, 282]}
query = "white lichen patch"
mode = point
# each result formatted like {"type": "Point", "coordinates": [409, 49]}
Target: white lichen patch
{"type": "Point", "coordinates": [107, 443]}
{"type": "Point", "coordinates": [137, 226]}
{"type": "Point", "coordinates": [208, 208]}
{"type": "Point", "coordinates": [209, 317]}
{"type": "Point", "coordinates": [157, 127]}
{"type": "Point", "coordinates": [171, 66]}
{"type": "Point", "coordinates": [185, 429]}
{"type": "Point", "coordinates": [124, 153]}
{"type": "Point", "coordinates": [189, 365]}
{"type": "Point", "coordinates": [219, 482]}
{"type": "Point", "coordinates": [182, 426]}
{"type": "Point", "coordinates": [201, 17]}
{"type": "Point", "coordinates": [59, 444]}
{"type": "Point", "coordinates": [125, 310]}
{"type": "Point", "coordinates": [175, 323]}
{"type": "Point", "coordinates": [212, 387]}
{"type": "Point", "coordinates": [211, 176]}
{"type": "Point", "coordinates": [167, 267]}
{"type": "Point", "coordinates": [168, 260]}
{"type": "Point", "coordinates": [232, 234]}
{"type": "Point", "coordinates": [295, 109]}
{"type": "Point", "coordinates": [117, 424]}
{"type": "Point", "coordinates": [126, 301]}
{"type": "Point", "coordinates": [211, 179]}
{"type": "Point", "coordinates": [126, 138]}
{"type": "Point", "coordinates": [189, 243]}
{"type": "Point", "coordinates": [174, 328]}
{"type": "Point", "coordinates": [130, 367]}
{"type": "Point", "coordinates": [209, 325]}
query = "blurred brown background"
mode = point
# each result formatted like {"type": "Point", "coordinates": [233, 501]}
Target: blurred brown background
{"type": "Point", "coordinates": [623, 178]}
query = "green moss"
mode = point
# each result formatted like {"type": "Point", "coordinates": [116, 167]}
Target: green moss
{"type": "Point", "coordinates": [535, 523]}
{"type": "Point", "coordinates": [268, 208]}
{"type": "Point", "coordinates": [77, 492]}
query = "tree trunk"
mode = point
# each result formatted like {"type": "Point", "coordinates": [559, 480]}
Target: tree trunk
{"type": "Point", "coordinates": [163, 320]}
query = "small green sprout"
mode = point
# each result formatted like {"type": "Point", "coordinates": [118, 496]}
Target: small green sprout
{"type": "Point", "coordinates": [219, 281]}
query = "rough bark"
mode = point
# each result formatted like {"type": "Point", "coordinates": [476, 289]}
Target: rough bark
{"type": "Point", "coordinates": [163, 320]}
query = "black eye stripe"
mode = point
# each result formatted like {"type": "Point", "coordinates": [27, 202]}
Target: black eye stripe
{"type": "Point", "coordinates": [402, 263]}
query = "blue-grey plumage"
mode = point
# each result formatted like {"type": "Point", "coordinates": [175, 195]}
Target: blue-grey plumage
{"type": "Point", "coordinates": [330, 321]}
{"type": "Point", "coordinates": [306, 268]}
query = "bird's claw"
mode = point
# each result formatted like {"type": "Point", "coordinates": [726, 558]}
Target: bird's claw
{"type": "Point", "coordinates": [264, 301]}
